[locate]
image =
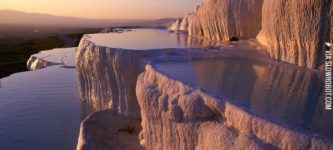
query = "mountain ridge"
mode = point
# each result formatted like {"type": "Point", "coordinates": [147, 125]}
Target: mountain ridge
{"type": "Point", "coordinates": [9, 16]}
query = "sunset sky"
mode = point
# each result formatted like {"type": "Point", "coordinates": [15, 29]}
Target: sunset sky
{"type": "Point", "coordinates": [105, 9]}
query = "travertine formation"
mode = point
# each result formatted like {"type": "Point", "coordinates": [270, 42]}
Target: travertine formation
{"type": "Point", "coordinates": [35, 63]}
{"type": "Point", "coordinates": [175, 115]}
{"type": "Point", "coordinates": [105, 82]}
{"type": "Point", "coordinates": [279, 91]}
{"type": "Point", "coordinates": [182, 24]}
{"type": "Point", "coordinates": [107, 76]}
{"type": "Point", "coordinates": [59, 56]}
{"type": "Point", "coordinates": [178, 116]}
{"type": "Point", "coordinates": [187, 20]}
{"type": "Point", "coordinates": [107, 130]}
{"type": "Point", "coordinates": [223, 19]}
{"type": "Point", "coordinates": [175, 26]}
{"type": "Point", "coordinates": [294, 31]}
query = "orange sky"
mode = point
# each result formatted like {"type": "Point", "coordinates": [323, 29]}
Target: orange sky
{"type": "Point", "coordinates": [105, 9]}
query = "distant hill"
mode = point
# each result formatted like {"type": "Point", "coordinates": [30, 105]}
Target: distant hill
{"type": "Point", "coordinates": [23, 18]}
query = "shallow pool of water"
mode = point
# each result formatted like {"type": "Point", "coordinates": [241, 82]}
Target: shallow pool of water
{"type": "Point", "coordinates": [144, 39]}
{"type": "Point", "coordinates": [41, 110]}
{"type": "Point", "coordinates": [286, 95]}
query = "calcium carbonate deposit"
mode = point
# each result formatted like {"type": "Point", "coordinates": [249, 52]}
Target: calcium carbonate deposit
{"type": "Point", "coordinates": [294, 31]}
{"type": "Point", "coordinates": [154, 76]}
{"type": "Point", "coordinates": [232, 74]}
{"type": "Point", "coordinates": [61, 56]}
{"type": "Point", "coordinates": [109, 64]}
{"type": "Point", "coordinates": [177, 114]}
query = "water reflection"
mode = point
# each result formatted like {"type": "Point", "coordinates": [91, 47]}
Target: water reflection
{"type": "Point", "coordinates": [142, 39]}
{"type": "Point", "coordinates": [42, 109]}
{"type": "Point", "coordinates": [288, 95]}
{"type": "Point", "coordinates": [184, 40]}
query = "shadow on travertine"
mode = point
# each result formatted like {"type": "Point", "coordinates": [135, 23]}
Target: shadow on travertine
{"type": "Point", "coordinates": [107, 130]}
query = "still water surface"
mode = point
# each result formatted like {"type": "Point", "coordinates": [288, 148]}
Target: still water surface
{"type": "Point", "coordinates": [286, 95]}
{"type": "Point", "coordinates": [40, 110]}
{"type": "Point", "coordinates": [145, 39]}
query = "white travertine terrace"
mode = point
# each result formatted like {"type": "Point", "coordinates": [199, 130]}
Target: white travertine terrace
{"type": "Point", "coordinates": [176, 115]}
{"type": "Point", "coordinates": [109, 64]}
{"type": "Point", "coordinates": [107, 76]}
{"type": "Point", "coordinates": [186, 22]}
{"type": "Point", "coordinates": [294, 31]}
{"type": "Point", "coordinates": [116, 71]}
{"type": "Point", "coordinates": [35, 63]}
{"type": "Point", "coordinates": [182, 24]}
{"type": "Point", "coordinates": [176, 26]}
{"type": "Point", "coordinates": [58, 56]}
{"type": "Point", "coordinates": [223, 19]}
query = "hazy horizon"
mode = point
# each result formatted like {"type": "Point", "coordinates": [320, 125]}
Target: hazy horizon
{"type": "Point", "coordinates": [104, 9]}
{"type": "Point", "coordinates": [13, 17]}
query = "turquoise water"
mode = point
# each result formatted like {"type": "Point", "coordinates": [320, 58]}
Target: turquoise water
{"type": "Point", "coordinates": [285, 95]}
